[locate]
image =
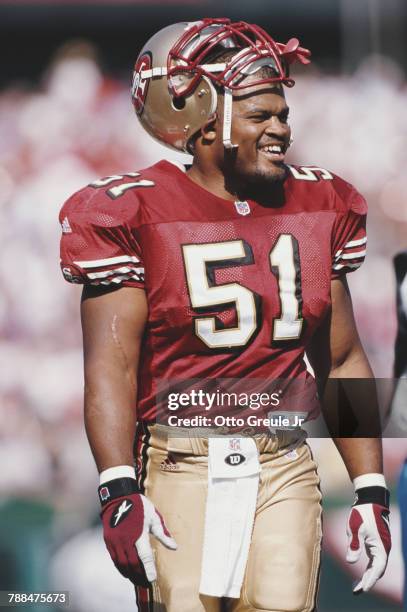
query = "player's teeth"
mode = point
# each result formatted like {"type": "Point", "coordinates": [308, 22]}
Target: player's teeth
{"type": "Point", "coordinates": [273, 149]}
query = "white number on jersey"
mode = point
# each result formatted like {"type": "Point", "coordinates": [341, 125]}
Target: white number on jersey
{"type": "Point", "coordinates": [284, 260]}
{"type": "Point", "coordinates": [310, 173]}
{"type": "Point", "coordinates": [119, 190]}
{"type": "Point", "coordinates": [201, 261]}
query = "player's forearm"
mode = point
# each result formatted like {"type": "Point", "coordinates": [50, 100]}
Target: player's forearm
{"type": "Point", "coordinates": [360, 455]}
{"type": "Point", "coordinates": [350, 390]}
{"type": "Point", "coordinates": [110, 421]}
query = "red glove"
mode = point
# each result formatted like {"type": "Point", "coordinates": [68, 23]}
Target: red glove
{"type": "Point", "coordinates": [128, 518]}
{"type": "Point", "coordinates": [369, 527]}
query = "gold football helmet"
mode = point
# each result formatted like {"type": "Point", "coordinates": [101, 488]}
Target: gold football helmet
{"type": "Point", "coordinates": [176, 77]}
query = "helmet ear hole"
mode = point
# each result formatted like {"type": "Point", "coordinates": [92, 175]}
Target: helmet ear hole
{"type": "Point", "coordinates": [178, 103]}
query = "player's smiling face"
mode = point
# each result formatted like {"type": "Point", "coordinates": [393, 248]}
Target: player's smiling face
{"type": "Point", "coordinates": [261, 131]}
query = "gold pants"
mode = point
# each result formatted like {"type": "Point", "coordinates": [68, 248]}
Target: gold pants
{"type": "Point", "coordinates": [283, 564]}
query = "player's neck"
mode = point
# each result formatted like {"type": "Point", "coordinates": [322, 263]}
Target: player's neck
{"type": "Point", "coordinates": [211, 179]}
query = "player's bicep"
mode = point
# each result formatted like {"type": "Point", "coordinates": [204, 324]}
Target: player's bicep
{"type": "Point", "coordinates": [113, 324]}
{"type": "Point", "coordinates": [344, 337]}
{"type": "Point", "coordinates": [337, 339]}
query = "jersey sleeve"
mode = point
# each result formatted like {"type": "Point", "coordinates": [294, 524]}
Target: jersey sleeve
{"type": "Point", "coordinates": [349, 235]}
{"type": "Point", "coordinates": [99, 244]}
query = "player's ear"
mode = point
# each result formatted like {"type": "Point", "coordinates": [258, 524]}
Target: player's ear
{"type": "Point", "coordinates": [209, 129]}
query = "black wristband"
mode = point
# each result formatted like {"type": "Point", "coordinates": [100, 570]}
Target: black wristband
{"type": "Point", "coordinates": [118, 487]}
{"type": "Point", "coordinates": [372, 495]}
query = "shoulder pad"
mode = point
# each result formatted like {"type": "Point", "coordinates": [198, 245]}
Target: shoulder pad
{"type": "Point", "coordinates": [99, 232]}
{"type": "Point", "coordinates": [346, 196]}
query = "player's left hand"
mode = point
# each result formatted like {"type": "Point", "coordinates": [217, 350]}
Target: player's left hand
{"type": "Point", "coordinates": [369, 527]}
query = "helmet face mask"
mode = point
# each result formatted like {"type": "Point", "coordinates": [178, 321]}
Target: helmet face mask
{"type": "Point", "coordinates": [200, 42]}
{"type": "Point", "coordinates": [176, 74]}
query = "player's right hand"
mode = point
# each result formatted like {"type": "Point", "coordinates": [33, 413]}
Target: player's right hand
{"type": "Point", "coordinates": [128, 520]}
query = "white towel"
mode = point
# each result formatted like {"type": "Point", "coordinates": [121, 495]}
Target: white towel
{"type": "Point", "coordinates": [233, 479]}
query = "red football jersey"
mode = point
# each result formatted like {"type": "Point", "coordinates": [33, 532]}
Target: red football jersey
{"type": "Point", "coordinates": [235, 289]}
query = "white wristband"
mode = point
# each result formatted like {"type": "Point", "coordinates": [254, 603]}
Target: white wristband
{"type": "Point", "coordinates": [369, 480]}
{"type": "Point", "coordinates": [119, 471]}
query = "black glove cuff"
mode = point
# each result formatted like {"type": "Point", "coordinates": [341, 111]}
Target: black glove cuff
{"type": "Point", "coordinates": [372, 495]}
{"type": "Point", "coordinates": [118, 487]}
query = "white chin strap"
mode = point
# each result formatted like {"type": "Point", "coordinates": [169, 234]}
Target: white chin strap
{"type": "Point", "coordinates": [227, 120]}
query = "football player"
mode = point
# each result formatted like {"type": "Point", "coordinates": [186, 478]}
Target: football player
{"type": "Point", "coordinates": [228, 269]}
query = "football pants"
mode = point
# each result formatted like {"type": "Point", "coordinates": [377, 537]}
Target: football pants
{"type": "Point", "coordinates": [282, 568]}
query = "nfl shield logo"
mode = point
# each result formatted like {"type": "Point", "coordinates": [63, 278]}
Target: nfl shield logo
{"type": "Point", "coordinates": [242, 208]}
{"type": "Point", "coordinates": [234, 444]}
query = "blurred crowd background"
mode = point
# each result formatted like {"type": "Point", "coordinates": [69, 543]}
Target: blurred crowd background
{"type": "Point", "coordinates": [65, 120]}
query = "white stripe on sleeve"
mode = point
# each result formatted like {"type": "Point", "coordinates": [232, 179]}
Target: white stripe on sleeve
{"type": "Point", "coordinates": [352, 266]}
{"type": "Point", "coordinates": [354, 243]}
{"type": "Point", "coordinates": [106, 273]}
{"type": "Point", "coordinates": [120, 278]}
{"type": "Point", "coordinates": [99, 263]}
{"type": "Point", "coordinates": [356, 255]}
